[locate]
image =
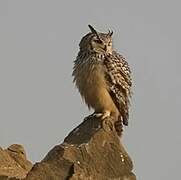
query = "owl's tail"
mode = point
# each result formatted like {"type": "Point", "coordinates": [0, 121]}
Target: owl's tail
{"type": "Point", "coordinates": [125, 120]}
{"type": "Point", "coordinates": [119, 127]}
{"type": "Point", "coordinates": [119, 124]}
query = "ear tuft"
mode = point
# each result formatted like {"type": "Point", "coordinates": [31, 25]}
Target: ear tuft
{"type": "Point", "coordinates": [92, 29]}
{"type": "Point", "coordinates": [110, 33]}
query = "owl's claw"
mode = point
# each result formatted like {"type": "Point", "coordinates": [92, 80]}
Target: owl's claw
{"type": "Point", "coordinates": [106, 114]}
{"type": "Point", "coordinates": [103, 115]}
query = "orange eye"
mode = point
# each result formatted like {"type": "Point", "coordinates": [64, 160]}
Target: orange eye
{"type": "Point", "coordinates": [110, 43]}
{"type": "Point", "coordinates": [98, 41]}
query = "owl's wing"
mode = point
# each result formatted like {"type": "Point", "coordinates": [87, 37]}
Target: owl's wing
{"type": "Point", "coordinates": [118, 76]}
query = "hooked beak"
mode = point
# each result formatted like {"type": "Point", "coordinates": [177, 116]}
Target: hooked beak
{"type": "Point", "coordinates": [105, 48]}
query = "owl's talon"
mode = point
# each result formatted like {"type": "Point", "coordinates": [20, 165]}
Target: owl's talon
{"type": "Point", "coordinates": [102, 116]}
{"type": "Point", "coordinates": [105, 115]}
{"type": "Point", "coordinates": [94, 115]}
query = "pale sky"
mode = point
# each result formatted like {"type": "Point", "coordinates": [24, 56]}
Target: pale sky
{"type": "Point", "coordinates": [39, 104]}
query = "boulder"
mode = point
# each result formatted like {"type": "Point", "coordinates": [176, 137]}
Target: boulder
{"type": "Point", "coordinates": [92, 151]}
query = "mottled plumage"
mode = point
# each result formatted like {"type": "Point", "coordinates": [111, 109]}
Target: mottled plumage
{"type": "Point", "coordinates": [103, 76]}
{"type": "Point", "coordinates": [118, 76]}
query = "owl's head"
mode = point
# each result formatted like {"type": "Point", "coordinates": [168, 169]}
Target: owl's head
{"type": "Point", "coordinates": [97, 42]}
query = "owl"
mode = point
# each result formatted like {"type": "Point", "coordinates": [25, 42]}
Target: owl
{"type": "Point", "coordinates": [103, 77]}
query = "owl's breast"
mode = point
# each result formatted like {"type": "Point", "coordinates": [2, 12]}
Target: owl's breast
{"type": "Point", "coordinates": [89, 77]}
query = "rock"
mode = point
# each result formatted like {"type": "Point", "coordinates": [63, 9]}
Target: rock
{"type": "Point", "coordinates": [92, 151]}
{"type": "Point", "coordinates": [13, 163]}
{"type": "Point", "coordinates": [17, 152]}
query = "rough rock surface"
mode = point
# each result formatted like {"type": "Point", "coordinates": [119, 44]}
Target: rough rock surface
{"type": "Point", "coordinates": [92, 151]}
{"type": "Point", "coordinates": [13, 163]}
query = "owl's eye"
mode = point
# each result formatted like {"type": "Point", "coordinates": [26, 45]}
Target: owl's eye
{"type": "Point", "coordinates": [98, 41]}
{"type": "Point", "coordinates": [110, 43]}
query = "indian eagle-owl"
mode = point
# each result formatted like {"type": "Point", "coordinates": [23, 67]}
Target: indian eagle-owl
{"type": "Point", "coordinates": [103, 77]}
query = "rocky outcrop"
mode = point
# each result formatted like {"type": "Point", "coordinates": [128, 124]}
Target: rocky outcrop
{"type": "Point", "coordinates": [92, 151]}
{"type": "Point", "coordinates": [13, 163]}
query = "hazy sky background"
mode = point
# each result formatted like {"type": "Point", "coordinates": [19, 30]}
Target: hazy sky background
{"type": "Point", "coordinates": [39, 105]}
